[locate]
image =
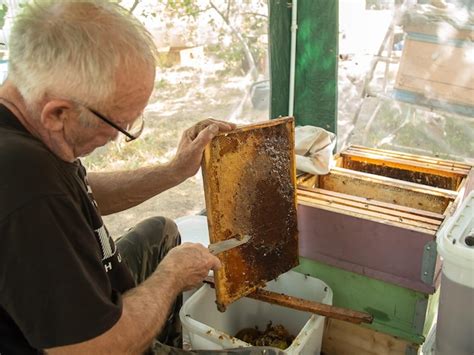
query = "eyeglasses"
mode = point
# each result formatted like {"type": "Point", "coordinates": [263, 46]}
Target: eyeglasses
{"type": "Point", "coordinates": [132, 131]}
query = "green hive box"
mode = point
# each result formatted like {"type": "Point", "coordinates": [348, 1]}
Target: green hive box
{"type": "Point", "coordinates": [397, 311]}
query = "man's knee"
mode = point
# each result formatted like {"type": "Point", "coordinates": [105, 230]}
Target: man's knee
{"type": "Point", "coordinates": [151, 233]}
{"type": "Point", "coordinates": [171, 230]}
{"type": "Point", "coordinates": [157, 230]}
{"type": "Point", "coordinates": [145, 245]}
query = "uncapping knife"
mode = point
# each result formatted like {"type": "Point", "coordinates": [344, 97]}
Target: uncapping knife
{"type": "Point", "coordinates": [224, 245]}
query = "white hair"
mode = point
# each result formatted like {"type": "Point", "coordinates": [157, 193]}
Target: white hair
{"type": "Point", "coordinates": [75, 49]}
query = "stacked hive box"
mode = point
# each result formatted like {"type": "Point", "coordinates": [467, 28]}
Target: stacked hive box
{"type": "Point", "coordinates": [436, 65]}
{"type": "Point", "coordinates": [368, 230]}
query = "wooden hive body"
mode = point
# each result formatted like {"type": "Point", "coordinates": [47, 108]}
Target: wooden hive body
{"type": "Point", "coordinates": [381, 219]}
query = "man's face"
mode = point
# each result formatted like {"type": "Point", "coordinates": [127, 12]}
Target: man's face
{"type": "Point", "coordinates": [129, 102]}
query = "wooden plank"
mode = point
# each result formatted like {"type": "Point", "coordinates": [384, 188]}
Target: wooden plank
{"type": "Point", "coordinates": [432, 69]}
{"type": "Point", "coordinates": [431, 190]}
{"type": "Point", "coordinates": [432, 167]}
{"type": "Point", "coordinates": [375, 203]}
{"type": "Point", "coordinates": [429, 168]}
{"type": "Point", "coordinates": [469, 184]}
{"type": "Point", "coordinates": [358, 149]}
{"type": "Point", "coordinates": [322, 309]}
{"type": "Point", "coordinates": [303, 305]}
{"type": "Point", "coordinates": [342, 338]}
{"type": "Point", "coordinates": [398, 215]}
{"type": "Point", "coordinates": [387, 190]}
{"type": "Point", "coordinates": [361, 214]}
{"type": "Point", "coordinates": [432, 28]}
{"type": "Point", "coordinates": [307, 180]}
{"type": "Point", "coordinates": [249, 183]}
{"type": "Point", "coordinates": [374, 216]}
{"type": "Point", "coordinates": [400, 172]}
{"type": "Point", "coordinates": [465, 188]}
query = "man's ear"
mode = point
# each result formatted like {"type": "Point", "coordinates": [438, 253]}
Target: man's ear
{"type": "Point", "coordinates": [55, 113]}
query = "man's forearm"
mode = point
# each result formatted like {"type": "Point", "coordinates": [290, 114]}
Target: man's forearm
{"type": "Point", "coordinates": [118, 191]}
{"type": "Point", "coordinates": [145, 311]}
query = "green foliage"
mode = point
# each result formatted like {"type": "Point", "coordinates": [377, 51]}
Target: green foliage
{"type": "Point", "coordinates": [232, 56]}
{"type": "Point", "coordinates": [241, 25]}
{"type": "Point", "coordinates": [161, 84]}
{"type": "Point", "coordinates": [3, 13]}
{"type": "Point", "coordinates": [184, 7]}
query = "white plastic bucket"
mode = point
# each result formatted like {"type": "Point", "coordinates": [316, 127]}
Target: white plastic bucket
{"type": "Point", "coordinates": [193, 229]}
{"type": "Point", "coordinates": [209, 329]}
{"type": "Point", "coordinates": [455, 325]}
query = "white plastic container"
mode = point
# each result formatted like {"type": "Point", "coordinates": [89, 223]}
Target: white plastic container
{"type": "Point", "coordinates": [209, 329]}
{"type": "Point", "coordinates": [193, 229]}
{"type": "Point", "coordinates": [455, 325]}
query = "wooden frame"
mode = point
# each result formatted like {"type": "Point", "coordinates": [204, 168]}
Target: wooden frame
{"type": "Point", "coordinates": [250, 189]}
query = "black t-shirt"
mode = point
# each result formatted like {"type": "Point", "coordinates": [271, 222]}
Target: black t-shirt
{"type": "Point", "coordinates": [61, 276]}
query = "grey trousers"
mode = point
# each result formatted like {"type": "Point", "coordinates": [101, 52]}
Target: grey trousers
{"type": "Point", "coordinates": [142, 248]}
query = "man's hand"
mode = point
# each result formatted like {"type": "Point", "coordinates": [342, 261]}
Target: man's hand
{"type": "Point", "coordinates": [147, 306]}
{"type": "Point", "coordinates": [189, 263]}
{"type": "Point", "coordinates": [193, 141]}
{"type": "Point", "coordinates": [119, 190]}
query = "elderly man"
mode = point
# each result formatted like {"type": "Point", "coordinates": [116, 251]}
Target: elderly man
{"type": "Point", "coordinates": [81, 73]}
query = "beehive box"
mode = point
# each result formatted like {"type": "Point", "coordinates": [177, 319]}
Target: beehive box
{"type": "Point", "coordinates": [250, 189]}
{"type": "Point", "coordinates": [377, 214]}
{"type": "Point", "coordinates": [436, 66]}
{"type": "Point", "coordinates": [397, 311]}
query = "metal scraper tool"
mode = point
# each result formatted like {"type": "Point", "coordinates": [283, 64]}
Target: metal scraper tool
{"type": "Point", "coordinates": [224, 245]}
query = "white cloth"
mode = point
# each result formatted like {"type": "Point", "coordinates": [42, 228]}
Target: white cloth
{"type": "Point", "coordinates": [314, 148]}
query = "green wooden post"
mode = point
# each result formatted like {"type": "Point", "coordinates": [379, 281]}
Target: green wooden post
{"type": "Point", "coordinates": [279, 48]}
{"type": "Point", "coordinates": [316, 61]}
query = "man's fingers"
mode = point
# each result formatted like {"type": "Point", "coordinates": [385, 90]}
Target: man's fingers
{"type": "Point", "coordinates": [213, 129]}
{"type": "Point", "coordinates": [216, 264]}
{"type": "Point", "coordinates": [206, 135]}
{"type": "Point", "coordinates": [203, 125]}
{"type": "Point", "coordinates": [223, 126]}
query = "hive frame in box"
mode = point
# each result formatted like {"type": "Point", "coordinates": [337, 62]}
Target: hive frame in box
{"type": "Point", "coordinates": [429, 72]}
{"type": "Point", "coordinates": [249, 183]}
{"type": "Point", "coordinates": [350, 221]}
